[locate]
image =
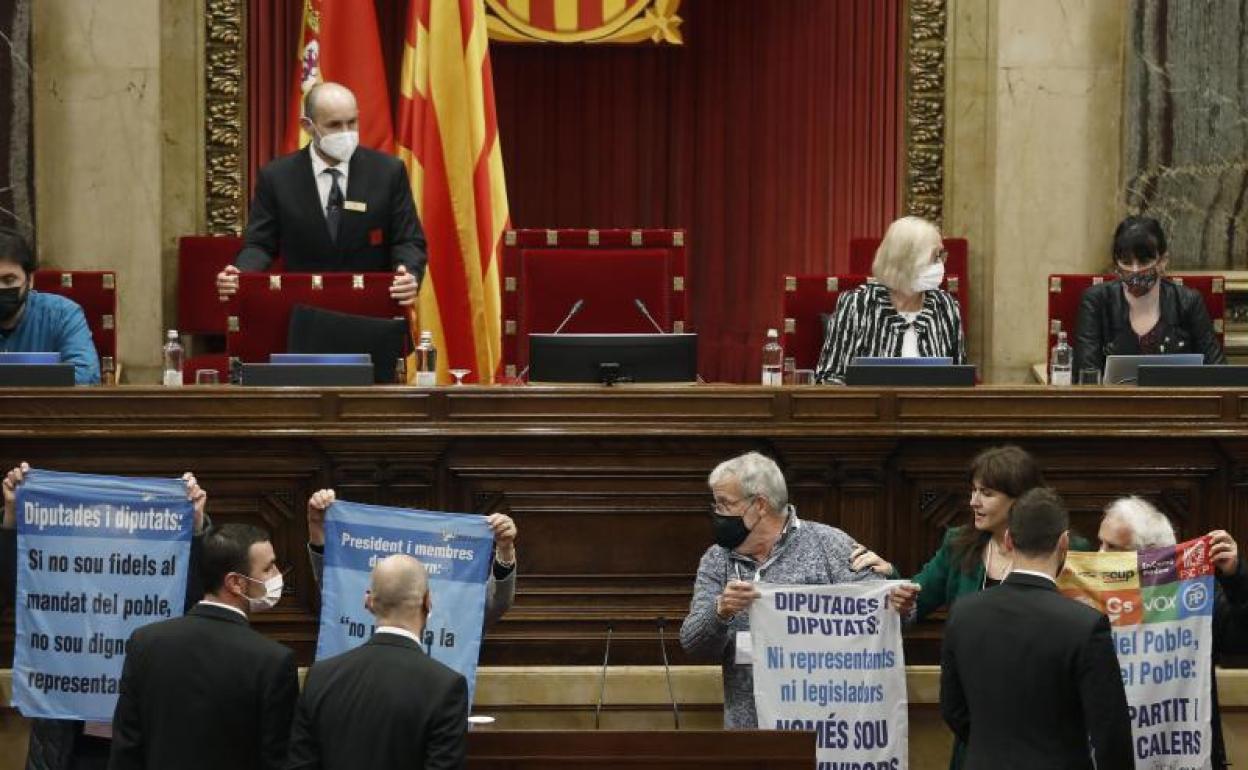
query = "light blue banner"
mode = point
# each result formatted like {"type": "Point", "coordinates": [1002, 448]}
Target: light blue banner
{"type": "Point", "coordinates": [455, 548]}
{"type": "Point", "coordinates": [97, 557]}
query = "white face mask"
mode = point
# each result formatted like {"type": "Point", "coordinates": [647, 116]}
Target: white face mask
{"type": "Point", "coordinates": [930, 278]}
{"type": "Point", "coordinates": [340, 146]}
{"type": "Point", "coordinates": [272, 593]}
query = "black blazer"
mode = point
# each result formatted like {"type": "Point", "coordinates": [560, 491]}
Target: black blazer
{"type": "Point", "coordinates": [287, 218]}
{"type": "Point", "coordinates": [1104, 326]}
{"type": "Point", "coordinates": [382, 705]}
{"type": "Point", "coordinates": [204, 692]}
{"type": "Point", "coordinates": [1028, 675]}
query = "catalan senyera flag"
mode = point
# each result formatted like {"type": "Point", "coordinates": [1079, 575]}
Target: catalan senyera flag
{"type": "Point", "coordinates": [448, 137]}
{"type": "Point", "coordinates": [339, 43]}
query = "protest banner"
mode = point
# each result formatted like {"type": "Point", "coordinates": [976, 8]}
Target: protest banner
{"type": "Point", "coordinates": [456, 550]}
{"type": "Point", "coordinates": [828, 658]}
{"type": "Point", "coordinates": [1160, 606]}
{"type": "Point", "coordinates": [98, 557]}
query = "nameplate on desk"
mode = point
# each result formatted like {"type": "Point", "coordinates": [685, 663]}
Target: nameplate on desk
{"type": "Point", "coordinates": [307, 375]}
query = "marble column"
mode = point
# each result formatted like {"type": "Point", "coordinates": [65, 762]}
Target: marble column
{"type": "Point", "coordinates": [16, 194]}
{"type": "Point", "coordinates": [1032, 160]}
{"type": "Point", "coordinates": [117, 143]}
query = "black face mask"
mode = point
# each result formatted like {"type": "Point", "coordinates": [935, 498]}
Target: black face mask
{"type": "Point", "coordinates": [730, 531]}
{"type": "Point", "coordinates": [11, 301]}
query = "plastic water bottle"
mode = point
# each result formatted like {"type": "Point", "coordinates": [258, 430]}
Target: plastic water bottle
{"type": "Point", "coordinates": [174, 356]}
{"type": "Point", "coordinates": [773, 359]}
{"type": "Point", "coordinates": [1060, 361]}
{"type": "Point", "coordinates": [426, 361]}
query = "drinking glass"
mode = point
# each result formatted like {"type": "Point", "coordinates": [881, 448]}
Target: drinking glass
{"type": "Point", "coordinates": [460, 374]}
{"type": "Point", "coordinates": [206, 377]}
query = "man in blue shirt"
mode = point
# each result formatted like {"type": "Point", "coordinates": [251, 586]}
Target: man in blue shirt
{"type": "Point", "coordinates": [32, 322]}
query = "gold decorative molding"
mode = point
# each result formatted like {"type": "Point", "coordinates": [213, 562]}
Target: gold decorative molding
{"type": "Point", "coordinates": [224, 111]}
{"type": "Point", "coordinates": [925, 108]}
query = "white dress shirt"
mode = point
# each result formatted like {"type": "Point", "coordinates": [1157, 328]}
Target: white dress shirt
{"type": "Point", "coordinates": [400, 632]}
{"type": "Point", "coordinates": [324, 181]}
{"type": "Point", "coordinates": [1032, 572]}
{"type": "Point", "coordinates": [229, 607]}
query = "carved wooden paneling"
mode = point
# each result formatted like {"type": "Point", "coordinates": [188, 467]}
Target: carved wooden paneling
{"type": "Point", "coordinates": [608, 487]}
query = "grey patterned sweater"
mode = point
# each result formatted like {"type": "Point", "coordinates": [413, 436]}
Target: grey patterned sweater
{"type": "Point", "coordinates": [809, 553]}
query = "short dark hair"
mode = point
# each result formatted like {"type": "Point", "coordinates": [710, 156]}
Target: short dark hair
{"type": "Point", "coordinates": [1139, 237]}
{"type": "Point", "coordinates": [226, 549]}
{"type": "Point", "coordinates": [1037, 521]}
{"type": "Point", "coordinates": [14, 248]}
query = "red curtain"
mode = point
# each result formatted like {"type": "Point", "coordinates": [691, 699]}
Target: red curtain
{"type": "Point", "coordinates": [772, 136]}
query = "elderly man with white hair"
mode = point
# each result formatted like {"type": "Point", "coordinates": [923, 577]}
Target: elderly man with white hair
{"type": "Point", "coordinates": [758, 537]}
{"type": "Point", "coordinates": [1132, 524]}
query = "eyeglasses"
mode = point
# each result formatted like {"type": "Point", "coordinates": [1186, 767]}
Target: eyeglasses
{"type": "Point", "coordinates": [720, 506]}
{"type": "Point", "coordinates": [940, 255]}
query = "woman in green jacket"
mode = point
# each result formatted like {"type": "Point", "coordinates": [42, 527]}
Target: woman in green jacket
{"type": "Point", "coordinates": [973, 557]}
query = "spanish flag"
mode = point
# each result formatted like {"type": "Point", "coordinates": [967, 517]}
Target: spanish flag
{"type": "Point", "coordinates": [338, 42]}
{"type": "Point", "coordinates": [448, 137]}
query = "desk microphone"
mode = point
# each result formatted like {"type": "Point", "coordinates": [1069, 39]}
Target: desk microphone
{"type": "Point", "coordinates": [641, 306]}
{"type": "Point", "coordinates": [572, 311]}
{"type": "Point", "coordinates": [602, 680]}
{"type": "Point", "coordinates": [671, 694]}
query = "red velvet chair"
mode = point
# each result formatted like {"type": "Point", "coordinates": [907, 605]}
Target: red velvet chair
{"type": "Point", "coordinates": [200, 258]}
{"type": "Point", "coordinates": [546, 271]}
{"type": "Point", "coordinates": [1066, 291]}
{"type": "Point", "coordinates": [96, 292]}
{"type": "Point", "coordinates": [259, 314]}
{"type": "Point", "coordinates": [807, 297]}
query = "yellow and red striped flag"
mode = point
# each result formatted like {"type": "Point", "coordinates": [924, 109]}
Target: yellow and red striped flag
{"type": "Point", "coordinates": [448, 137]}
{"type": "Point", "coordinates": [338, 42]}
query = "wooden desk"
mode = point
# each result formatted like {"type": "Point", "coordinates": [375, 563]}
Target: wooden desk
{"type": "Point", "coordinates": [608, 485]}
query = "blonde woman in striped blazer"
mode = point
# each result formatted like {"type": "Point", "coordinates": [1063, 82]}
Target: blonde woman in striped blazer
{"type": "Point", "coordinates": [902, 312]}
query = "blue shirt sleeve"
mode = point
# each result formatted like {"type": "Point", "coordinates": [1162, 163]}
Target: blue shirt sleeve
{"type": "Point", "coordinates": [76, 347]}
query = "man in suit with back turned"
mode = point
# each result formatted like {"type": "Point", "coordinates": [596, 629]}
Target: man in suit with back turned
{"type": "Point", "coordinates": [1029, 678]}
{"type": "Point", "coordinates": [205, 691]}
{"type": "Point", "coordinates": [385, 704]}
{"type": "Point", "coordinates": [333, 206]}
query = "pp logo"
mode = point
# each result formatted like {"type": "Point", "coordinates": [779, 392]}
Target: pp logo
{"type": "Point", "coordinates": [1195, 597]}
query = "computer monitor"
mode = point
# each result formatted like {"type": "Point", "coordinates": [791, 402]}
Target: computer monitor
{"type": "Point", "coordinates": [50, 357]}
{"type": "Point", "coordinates": [613, 358]}
{"type": "Point", "coordinates": [1124, 370]}
{"type": "Point", "coordinates": [307, 375]}
{"type": "Point", "coordinates": [907, 376]}
{"type": "Point", "coordinates": [1193, 376]}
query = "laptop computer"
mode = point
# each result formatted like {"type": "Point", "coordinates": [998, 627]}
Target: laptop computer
{"type": "Point", "coordinates": [1124, 370]}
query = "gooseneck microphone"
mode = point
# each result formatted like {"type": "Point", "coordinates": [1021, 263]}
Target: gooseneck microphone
{"type": "Point", "coordinates": [602, 679]}
{"type": "Point", "coordinates": [572, 311]}
{"type": "Point", "coordinates": [667, 669]}
{"type": "Point", "coordinates": [641, 306]}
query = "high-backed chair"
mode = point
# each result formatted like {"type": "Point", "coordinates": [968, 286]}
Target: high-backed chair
{"type": "Point", "coordinates": [259, 314]}
{"type": "Point", "coordinates": [96, 292]}
{"type": "Point", "coordinates": [200, 258]}
{"type": "Point", "coordinates": [1066, 292]}
{"type": "Point", "coordinates": [545, 272]}
{"type": "Point", "coordinates": [810, 302]}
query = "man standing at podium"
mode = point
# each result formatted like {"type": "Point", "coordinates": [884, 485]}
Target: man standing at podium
{"type": "Point", "coordinates": [333, 206]}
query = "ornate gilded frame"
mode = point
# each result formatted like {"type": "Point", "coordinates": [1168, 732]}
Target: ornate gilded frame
{"type": "Point", "coordinates": [225, 110]}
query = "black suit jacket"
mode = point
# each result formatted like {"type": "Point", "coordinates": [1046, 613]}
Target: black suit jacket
{"type": "Point", "coordinates": [1104, 325]}
{"type": "Point", "coordinates": [204, 692]}
{"type": "Point", "coordinates": [1028, 676]}
{"type": "Point", "coordinates": [382, 705]}
{"type": "Point", "coordinates": [287, 218]}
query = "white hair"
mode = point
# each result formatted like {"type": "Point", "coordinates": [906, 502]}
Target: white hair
{"type": "Point", "coordinates": [757, 475]}
{"type": "Point", "coordinates": [904, 252]}
{"type": "Point", "coordinates": [1149, 527]}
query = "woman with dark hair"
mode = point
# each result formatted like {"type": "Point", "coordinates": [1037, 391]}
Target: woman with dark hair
{"type": "Point", "coordinates": [1143, 312]}
{"type": "Point", "coordinates": [973, 557]}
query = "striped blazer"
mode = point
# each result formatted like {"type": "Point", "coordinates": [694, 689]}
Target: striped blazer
{"type": "Point", "coordinates": [865, 324]}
